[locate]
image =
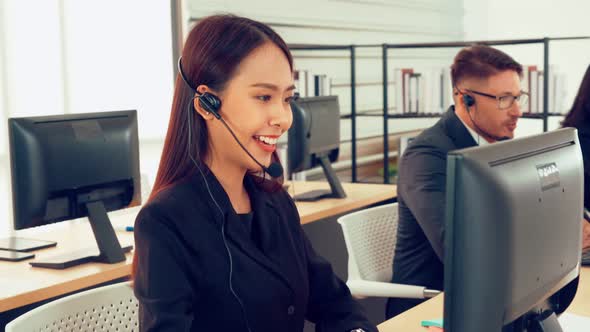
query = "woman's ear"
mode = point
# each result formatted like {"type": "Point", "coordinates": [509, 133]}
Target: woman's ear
{"type": "Point", "coordinates": [205, 114]}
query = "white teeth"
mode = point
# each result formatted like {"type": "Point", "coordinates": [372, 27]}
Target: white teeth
{"type": "Point", "coordinates": [267, 140]}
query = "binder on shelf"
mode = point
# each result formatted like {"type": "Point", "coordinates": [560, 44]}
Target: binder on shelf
{"type": "Point", "coordinates": [303, 80]}
{"type": "Point", "coordinates": [406, 72]}
{"type": "Point", "coordinates": [552, 89]}
{"type": "Point", "coordinates": [398, 79]}
{"type": "Point", "coordinates": [414, 93]}
{"type": "Point", "coordinates": [426, 89]}
{"type": "Point", "coordinates": [540, 91]}
{"type": "Point", "coordinates": [525, 86]}
{"type": "Point", "coordinates": [321, 85]}
{"type": "Point", "coordinates": [533, 78]}
{"type": "Point", "coordinates": [430, 91]}
{"type": "Point", "coordinates": [299, 79]}
{"type": "Point", "coordinates": [557, 90]}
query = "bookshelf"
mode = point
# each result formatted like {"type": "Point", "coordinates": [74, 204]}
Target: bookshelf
{"type": "Point", "coordinates": [385, 82]}
{"type": "Point", "coordinates": [352, 116]}
{"type": "Point", "coordinates": [385, 67]}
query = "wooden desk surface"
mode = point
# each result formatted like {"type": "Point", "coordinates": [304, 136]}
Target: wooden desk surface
{"type": "Point", "coordinates": [410, 320]}
{"type": "Point", "coordinates": [22, 284]}
{"type": "Point", "coordinates": [358, 195]}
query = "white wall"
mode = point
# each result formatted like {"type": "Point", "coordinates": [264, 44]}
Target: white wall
{"type": "Point", "coordinates": [354, 22]}
{"type": "Point", "coordinates": [504, 19]}
{"type": "Point", "coordinates": [70, 56]}
{"type": "Point", "coordinates": [66, 56]}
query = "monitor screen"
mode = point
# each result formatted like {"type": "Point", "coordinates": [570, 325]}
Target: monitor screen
{"type": "Point", "coordinates": [315, 132]}
{"type": "Point", "coordinates": [57, 161]}
{"type": "Point", "coordinates": [513, 231]}
{"type": "Point", "coordinates": [324, 124]}
{"type": "Point", "coordinates": [314, 140]}
{"type": "Point", "coordinates": [75, 165]}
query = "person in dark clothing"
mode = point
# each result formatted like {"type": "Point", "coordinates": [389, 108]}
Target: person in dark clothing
{"type": "Point", "coordinates": [579, 117]}
{"type": "Point", "coordinates": [487, 97]}
{"type": "Point", "coordinates": [219, 247]}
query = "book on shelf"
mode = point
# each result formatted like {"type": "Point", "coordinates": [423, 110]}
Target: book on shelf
{"type": "Point", "coordinates": [524, 86]}
{"type": "Point", "coordinates": [406, 72]}
{"type": "Point", "coordinates": [532, 82]}
{"type": "Point", "coordinates": [402, 89]}
{"type": "Point", "coordinates": [557, 90]}
{"type": "Point", "coordinates": [430, 91]}
{"type": "Point", "coordinates": [309, 84]}
{"type": "Point", "coordinates": [414, 93]}
{"type": "Point", "coordinates": [304, 82]}
{"type": "Point", "coordinates": [540, 91]}
{"type": "Point", "coordinates": [425, 90]}
{"type": "Point", "coordinates": [300, 82]}
{"type": "Point", "coordinates": [321, 85]}
{"type": "Point", "coordinates": [397, 88]}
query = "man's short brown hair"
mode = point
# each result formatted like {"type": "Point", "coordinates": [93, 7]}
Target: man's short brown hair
{"type": "Point", "coordinates": [481, 62]}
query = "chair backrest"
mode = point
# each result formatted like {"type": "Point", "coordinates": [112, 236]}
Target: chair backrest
{"type": "Point", "coordinates": [107, 308]}
{"type": "Point", "coordinates": [370, 237]}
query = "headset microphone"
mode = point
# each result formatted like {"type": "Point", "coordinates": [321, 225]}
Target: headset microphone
{"type": "Point", "coordinates": [212, 104]}
{"type": "Point", "coordinates": [274, 169]}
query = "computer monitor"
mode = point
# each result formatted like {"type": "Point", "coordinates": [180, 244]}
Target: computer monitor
{"type": "Point", "coordinates": [513, 233]}
{"type": "Point", "coordinates": [71, 166]}
{"type": "Point", "coordinates": [314, 139]}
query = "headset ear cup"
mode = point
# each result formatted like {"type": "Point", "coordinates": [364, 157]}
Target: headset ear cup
{"type": "Point", "coordinates": [468, 100]}
{"type": "Point", "coordinates": [210, 103]}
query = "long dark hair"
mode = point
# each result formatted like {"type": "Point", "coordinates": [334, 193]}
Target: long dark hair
{"type": "Point", "coordinates": [213, 50]}
{"type": "Point", "coordinates": [580, 111]}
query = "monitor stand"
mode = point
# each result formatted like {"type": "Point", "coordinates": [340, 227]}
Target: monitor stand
{"type": "Point", "coordinates": [336, 190]}
{"type": "Point", "coordinates": [109, 250]}
{"type": "Point", "coordinates": [23, 245]}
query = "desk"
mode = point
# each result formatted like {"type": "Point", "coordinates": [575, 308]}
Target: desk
{"type": "Point", "coordinates": [410, 320]}
{"type": "Point", "coordinates": [358, 195]}
{"type": "Point", "coordinates": [22, 284]}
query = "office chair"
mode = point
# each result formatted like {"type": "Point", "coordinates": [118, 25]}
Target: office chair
{"type": "Point", "coordinates": [370, 237]}
{"type": "Point", "coordinates": [107, 308]}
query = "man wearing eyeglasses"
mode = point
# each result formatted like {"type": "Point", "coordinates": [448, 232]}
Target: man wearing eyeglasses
{"type": "Point", "coordinates": [488, 101]}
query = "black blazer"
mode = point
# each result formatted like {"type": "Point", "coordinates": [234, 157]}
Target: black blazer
{"type": "Point", "coordinates": [419, 252]}
{"type": "Point", "coordinates": [183, 269]}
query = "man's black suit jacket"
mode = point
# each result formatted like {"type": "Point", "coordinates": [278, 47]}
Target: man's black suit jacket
{"type": "Point", "coordinates": [419, 252]}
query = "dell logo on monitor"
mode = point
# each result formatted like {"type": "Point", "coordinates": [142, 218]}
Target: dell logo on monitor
{"type": "Point", "coordinates": [548, 175]}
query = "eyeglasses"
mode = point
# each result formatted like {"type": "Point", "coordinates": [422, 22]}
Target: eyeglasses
{"type": "Point", "coordinates": [506, 101]}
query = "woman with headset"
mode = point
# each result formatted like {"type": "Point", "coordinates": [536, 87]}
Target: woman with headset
{"type": "Point", "coordinates": [579, 118]}
{"type": "Point", "coordinates": [219, 247]}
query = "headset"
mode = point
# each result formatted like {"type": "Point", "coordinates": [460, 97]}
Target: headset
{"type": "Point", "coordinates": [212, 104]}
{"type": "Point", "coordinates": [469, 101]}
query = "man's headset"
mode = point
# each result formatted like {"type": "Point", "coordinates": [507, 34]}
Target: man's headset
{"type": "Point", "coordinates": [212, 104]}
{"type": "Point", "coordinates": [469, 102]}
